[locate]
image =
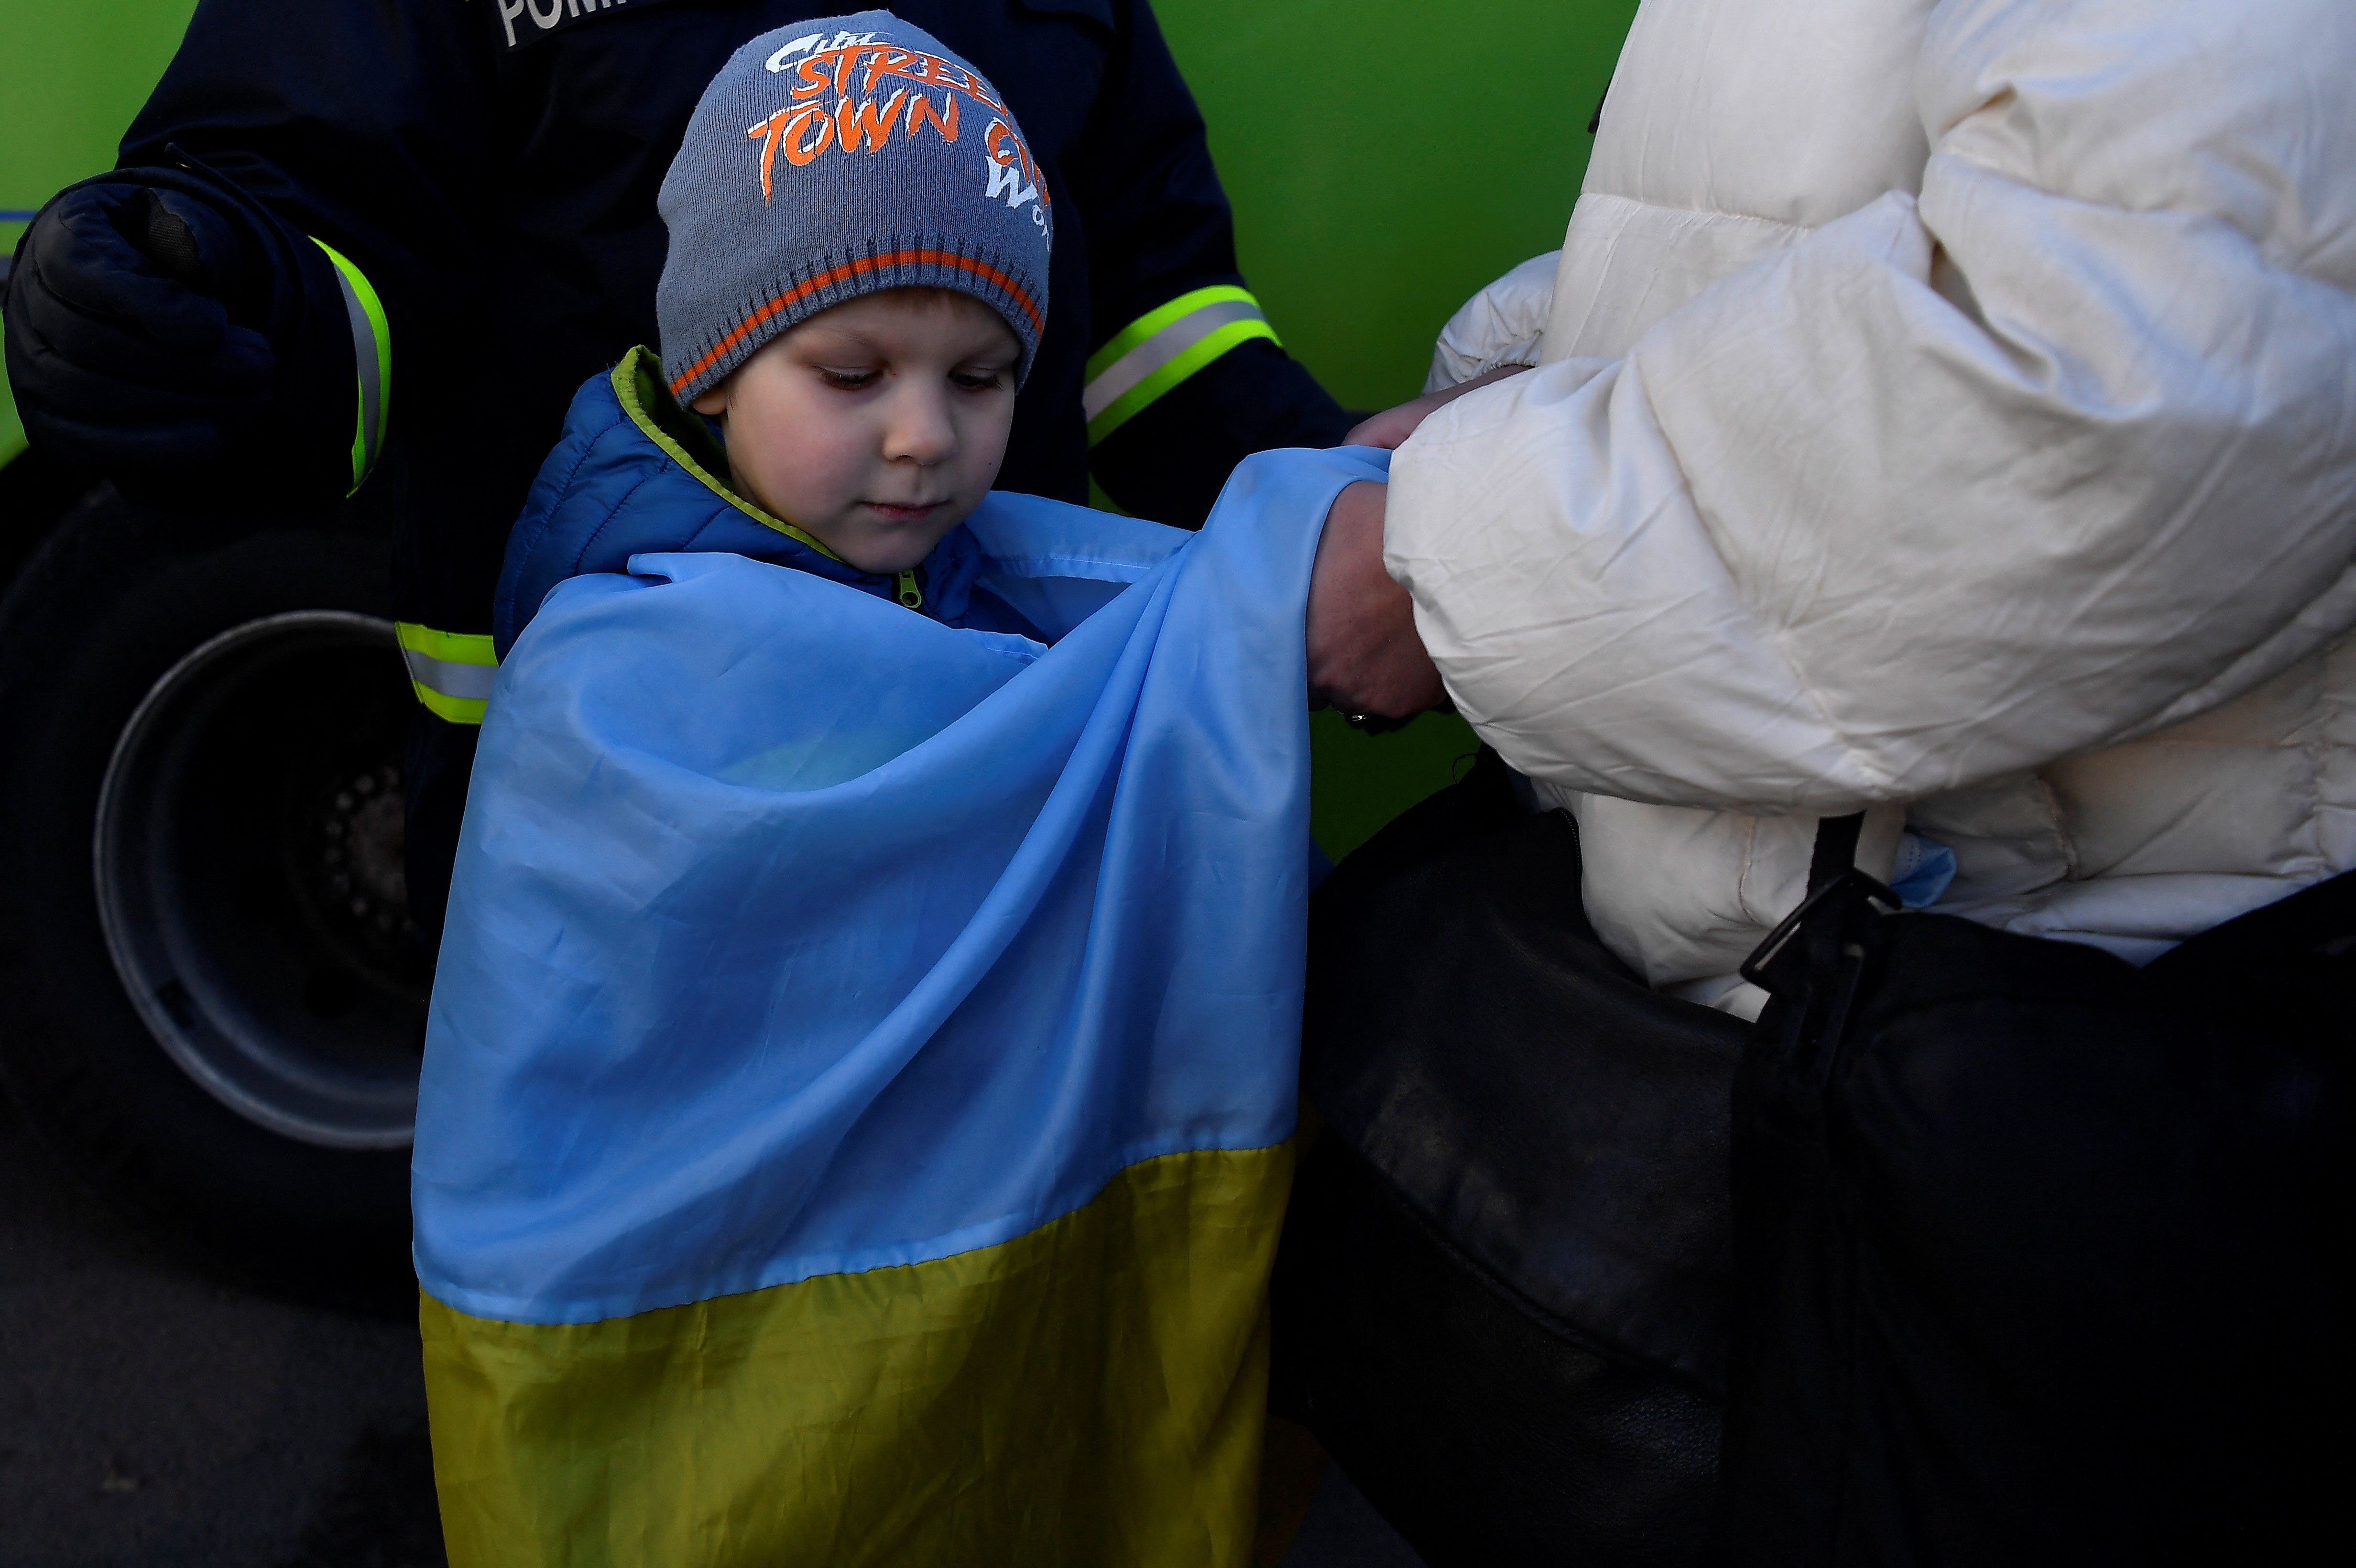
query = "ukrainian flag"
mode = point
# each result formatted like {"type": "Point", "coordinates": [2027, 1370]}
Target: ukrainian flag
{"type": "Point", "coordinates": [856, 1109]}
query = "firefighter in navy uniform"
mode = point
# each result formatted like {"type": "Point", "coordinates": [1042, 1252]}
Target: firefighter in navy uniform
{"type": "Point", "coordinates": [368, 249]}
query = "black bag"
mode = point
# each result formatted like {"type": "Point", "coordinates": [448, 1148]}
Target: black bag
{"type": "Point", "coordinates": [2031, 1241]}
{"type": "Point", "coordinates": [1501, 1299]}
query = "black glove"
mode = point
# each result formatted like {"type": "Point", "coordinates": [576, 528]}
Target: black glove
{"type": "Point", "coordinates": [177, 337]}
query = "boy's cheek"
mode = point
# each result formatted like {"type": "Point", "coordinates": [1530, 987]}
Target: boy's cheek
{"type": "Point", "coordinates": [989, 437]}
{"type": "Point", "coordinates": [806, 472]}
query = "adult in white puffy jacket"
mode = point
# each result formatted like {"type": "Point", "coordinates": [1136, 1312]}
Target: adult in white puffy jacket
{"type": "Point", "coordinates": [1943, 410]}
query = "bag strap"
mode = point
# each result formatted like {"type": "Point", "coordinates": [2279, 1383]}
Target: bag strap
{"type": "Point", "coordinates": [1834, 881]}
{"type": "Point", "coordinates": [1835, 848]}
{"type": "Point", "coordinates": [1815, 958]}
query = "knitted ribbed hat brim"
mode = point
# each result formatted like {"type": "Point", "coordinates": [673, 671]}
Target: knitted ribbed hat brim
{"type": "Point", "coordinates": [887, 264]}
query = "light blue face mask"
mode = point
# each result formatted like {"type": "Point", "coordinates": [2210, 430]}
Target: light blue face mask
{"type": "Point", "coordinates": [1925, 867]}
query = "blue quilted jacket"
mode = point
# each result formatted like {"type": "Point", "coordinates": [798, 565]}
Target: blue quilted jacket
{"type": "Point", "coordinates": [635, 473]}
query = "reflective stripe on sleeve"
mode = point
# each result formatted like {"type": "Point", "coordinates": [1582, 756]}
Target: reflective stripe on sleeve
{"type": "Point", "coordinates": [372, 358]}
{"type": "Point", "coordinates": [1162, 348]}
{"type": "Point", "coordinates": [451, 671]}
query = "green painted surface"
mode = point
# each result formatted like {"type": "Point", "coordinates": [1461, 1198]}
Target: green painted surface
{"type": "Point", "coordinates": [1383, 169]}
{"type": "Point", "coordinates": [1384, 166]}
{"type": "Point", "coordinates": [72, 76]}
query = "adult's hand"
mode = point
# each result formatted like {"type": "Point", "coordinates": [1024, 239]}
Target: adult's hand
{"type": "Point", "coordinates": [122, 344]}
{"type": "Point", "coordinates": [165, 328]}
{"type": "Point", "coordinates": [1364, 656]}
{"type": "Point", "coordinates": [1392, 426]}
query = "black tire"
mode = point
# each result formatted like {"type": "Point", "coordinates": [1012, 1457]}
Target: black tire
{"type": "Point", "coordinates": [223, 692]}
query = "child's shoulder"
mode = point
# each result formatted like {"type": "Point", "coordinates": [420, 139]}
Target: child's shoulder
{"type": "Point", "coordinates": [632, 474]}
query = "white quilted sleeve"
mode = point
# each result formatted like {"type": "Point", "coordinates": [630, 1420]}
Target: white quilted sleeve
{"type": "Point", "coordinates": [2059, 451]}
{"type": "Point", "coordinates": [1502, 324]}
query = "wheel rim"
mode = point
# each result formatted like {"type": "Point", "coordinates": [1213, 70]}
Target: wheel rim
{"type": "Point", "coordinates": [248, 860]}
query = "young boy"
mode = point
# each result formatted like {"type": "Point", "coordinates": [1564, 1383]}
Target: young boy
{"type": "Point", "coordinates": [856, 1113]}
{"type": "Point", "coordinates": [855, 290]}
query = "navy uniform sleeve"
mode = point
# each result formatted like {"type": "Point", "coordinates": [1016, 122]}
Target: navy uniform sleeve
{"type": "Point", "coordinates": [1186, 377]}
{"type": "Point", "coordinates": [362, 129]}
{"type": "Point", "coordinates": [358, 127]}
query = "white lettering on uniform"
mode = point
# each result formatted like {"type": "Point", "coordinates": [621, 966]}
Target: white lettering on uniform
{"type": "Point", "coordinates": [558, 10]}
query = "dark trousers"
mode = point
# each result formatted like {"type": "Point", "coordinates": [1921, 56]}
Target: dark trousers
{"type": "Point", "coordinates": [440, 760]}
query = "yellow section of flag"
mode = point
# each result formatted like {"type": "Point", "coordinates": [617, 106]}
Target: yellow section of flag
{"type": "Point", "coordinates": [1089, 1394]}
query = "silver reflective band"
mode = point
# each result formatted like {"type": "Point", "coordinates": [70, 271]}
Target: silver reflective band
{"type": "Point", "coordinates": [364, 356]}
{"type": "Point", "coordinates": [450, 677]}
{"type": "Point", "coordinates": [1162, 347]}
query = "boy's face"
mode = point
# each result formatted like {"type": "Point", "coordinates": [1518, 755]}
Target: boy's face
{"type": "Point", "coordinates": [877, 425]}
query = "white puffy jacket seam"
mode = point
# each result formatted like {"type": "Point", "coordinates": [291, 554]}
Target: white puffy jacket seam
{"type": "Point", "coordinates": [1736, 214]}
{"type": "Point", "coordinates": [1873, 785]}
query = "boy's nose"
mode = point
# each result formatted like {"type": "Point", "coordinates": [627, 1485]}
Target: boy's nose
{"type": "Point", "coordinates": [920, 429]}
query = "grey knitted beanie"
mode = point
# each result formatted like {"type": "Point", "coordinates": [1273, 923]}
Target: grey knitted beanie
{"type": "Point", "coordinates": [835, 158]}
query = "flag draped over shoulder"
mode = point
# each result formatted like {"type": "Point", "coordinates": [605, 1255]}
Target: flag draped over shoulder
{"type": "Point", "coordinates": [855, 1115]}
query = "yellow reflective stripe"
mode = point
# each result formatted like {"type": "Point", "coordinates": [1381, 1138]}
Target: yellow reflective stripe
{"type": "Point", "coordinates": [1153, 321]}
{"type": "Point", "coordinates": [1201, 352]}
{"type": "Point", "coordinates": [454, 647]}
{"type": "Point", "coordinates": [456, 709]}
{"type": "Point", "coordinates": [1102, 502]}
{"type": "Point", "coordinates": [1162, 348]}
{"type": "Point", "coordinates": [372, 362]}
{"type": "Point", "coordinates": [450, 671]}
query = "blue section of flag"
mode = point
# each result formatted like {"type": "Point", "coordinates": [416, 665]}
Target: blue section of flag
{"type": "Point", "coordinates": [793, 934]}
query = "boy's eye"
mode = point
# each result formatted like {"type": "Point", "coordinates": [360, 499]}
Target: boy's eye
{"type": "Point", "coordinates": [849, 380]}
{"type": "Point", "coordinates": [977, 381]}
